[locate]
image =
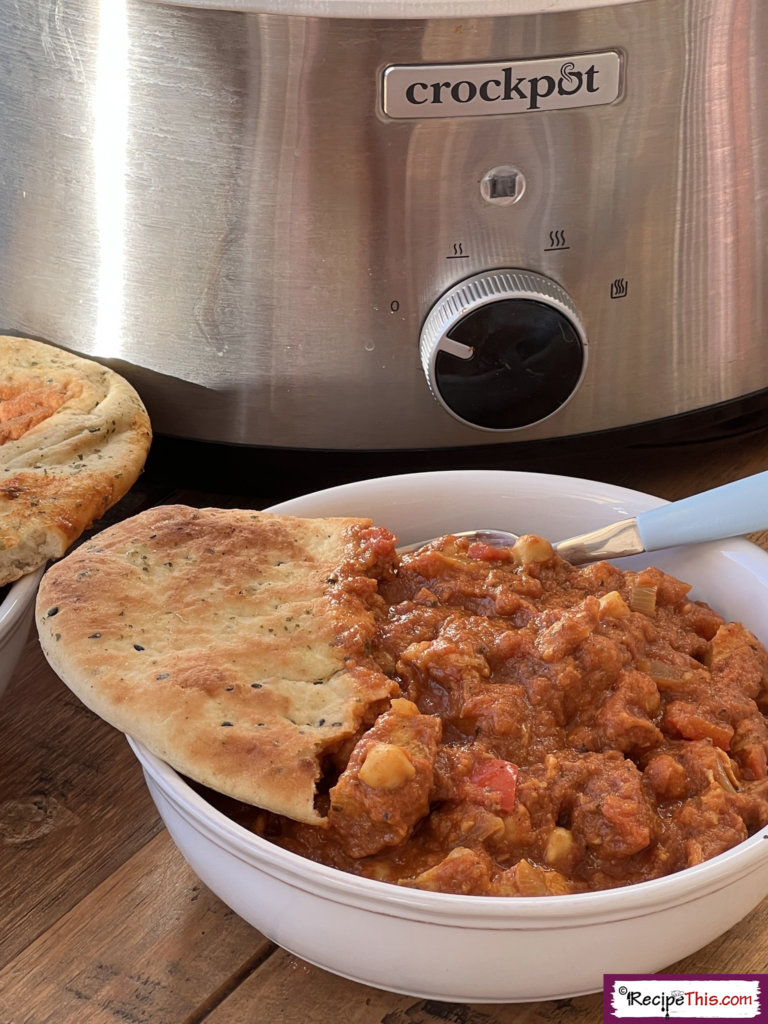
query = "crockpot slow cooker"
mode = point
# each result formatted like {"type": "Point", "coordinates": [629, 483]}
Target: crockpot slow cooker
{"type": "Point", "coordinates": [388, 225]}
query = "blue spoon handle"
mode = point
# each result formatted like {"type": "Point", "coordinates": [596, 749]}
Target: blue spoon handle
{"type": "Point", "coordinates": [727, 511]}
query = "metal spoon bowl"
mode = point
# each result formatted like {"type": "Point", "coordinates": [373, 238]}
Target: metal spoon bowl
{"type": "Point", "coordinates": [728, 511]}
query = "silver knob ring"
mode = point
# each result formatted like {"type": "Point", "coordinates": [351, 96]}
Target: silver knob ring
{"type": "Point", "coordinates": [472, 294]}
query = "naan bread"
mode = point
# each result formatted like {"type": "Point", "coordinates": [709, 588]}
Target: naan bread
{"type": "Point", "coordinates": [74, 436]}
{"type": "Point", "coordinates": [231, 643]}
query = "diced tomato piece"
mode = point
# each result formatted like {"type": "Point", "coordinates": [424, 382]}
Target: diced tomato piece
{"type": "Point", "coordinates": [500, 777]}
{"type": "Point", "coordinates": [488, 552]}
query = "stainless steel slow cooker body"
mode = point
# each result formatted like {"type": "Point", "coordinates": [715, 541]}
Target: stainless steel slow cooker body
{"type": "Point", "coordinates": [278, 221]}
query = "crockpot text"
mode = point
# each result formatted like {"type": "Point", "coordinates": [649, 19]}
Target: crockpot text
{"type": "Point", "coordinates": [507, 88]}
{"type": "Point", "coordinates": [512, 87]}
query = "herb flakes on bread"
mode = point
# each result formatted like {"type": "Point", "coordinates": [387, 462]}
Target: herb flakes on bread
{"type": "Point", "coordinates": [74, 436]}
{"type": "Point", "coordinates": [233, 644]}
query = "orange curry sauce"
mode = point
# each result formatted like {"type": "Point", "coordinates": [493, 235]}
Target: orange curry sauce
{"type": "Point", "coordinates": [561, 730]}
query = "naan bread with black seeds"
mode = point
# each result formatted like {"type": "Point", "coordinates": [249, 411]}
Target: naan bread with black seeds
{"type": "Point", "coordinates": [74, 436]}
{"type": "Point", "coordinates": [233, 644]}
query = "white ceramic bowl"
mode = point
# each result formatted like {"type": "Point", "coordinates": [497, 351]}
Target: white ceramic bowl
{"type": "Point", "coordinates": [474, 948]}
{"type": "Point", "coordinates": [16, 611]}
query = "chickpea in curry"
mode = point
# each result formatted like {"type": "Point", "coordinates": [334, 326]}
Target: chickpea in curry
{"type": "Point", "coordinates": [561, 729]}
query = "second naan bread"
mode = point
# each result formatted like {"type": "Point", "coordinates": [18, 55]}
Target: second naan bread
{"type": "Point", "coordinates": [74, 436]}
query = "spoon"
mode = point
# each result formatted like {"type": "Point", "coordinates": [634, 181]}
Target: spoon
{"type": "Point", "coordinates": [728, 511]}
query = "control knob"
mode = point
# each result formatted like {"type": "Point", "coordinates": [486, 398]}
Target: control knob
{"type": "Point", "coordinates": [503, 349]}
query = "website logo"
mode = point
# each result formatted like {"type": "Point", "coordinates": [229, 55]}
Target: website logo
{"type": "Point", "coordinates": [685, 997]}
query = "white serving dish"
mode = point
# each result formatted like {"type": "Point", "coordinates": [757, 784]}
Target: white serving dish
{"type": "Point", "coordinates": [16, 611]}
{"type": "Point", "coordinates": [468, 948]}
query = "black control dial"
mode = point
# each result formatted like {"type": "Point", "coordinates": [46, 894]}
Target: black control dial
{"type": "Point", "coordinates": [503, 349]}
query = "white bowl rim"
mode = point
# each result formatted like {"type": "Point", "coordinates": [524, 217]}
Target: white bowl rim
{"type": "Point", "coordinates": [16, 601]}
{"type": "Point", "coordinates": [546, 481]}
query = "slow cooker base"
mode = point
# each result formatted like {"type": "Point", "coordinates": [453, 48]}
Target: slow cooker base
{"type": "Point", "coordinates": [278, 474]}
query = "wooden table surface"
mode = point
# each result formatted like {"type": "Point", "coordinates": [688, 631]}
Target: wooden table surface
{"type": "Point", "coordinates": [103, 921]}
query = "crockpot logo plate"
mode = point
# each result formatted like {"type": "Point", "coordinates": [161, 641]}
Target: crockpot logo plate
{"type": "Point", "coordinates": [501, 87]}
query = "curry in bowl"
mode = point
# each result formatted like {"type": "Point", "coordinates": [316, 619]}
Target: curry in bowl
{"type": "Point", "coordinates": [561, 729]}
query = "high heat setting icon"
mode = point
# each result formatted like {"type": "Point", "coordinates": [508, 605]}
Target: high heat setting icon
{"type": "Point", "coordinates": [556, 241]}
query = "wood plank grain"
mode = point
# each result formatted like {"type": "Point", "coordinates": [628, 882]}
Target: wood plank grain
{"type": "Point", "coordinates": [149, 945]}
{"type": "Point", "coordinates": [292, 991]}
{"type": "Point", "coordinates": [743, 949]}
{"type": "Point", "coordinates": [73, 803]}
